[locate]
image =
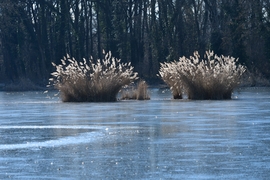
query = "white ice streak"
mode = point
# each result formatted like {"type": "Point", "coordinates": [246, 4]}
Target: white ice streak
{"type": "Point", "coordinates": [69, 140]}
{"type": "Point", "coordinates": [54, 127]}
{"type": "Point", "coordinates": [96, 133]}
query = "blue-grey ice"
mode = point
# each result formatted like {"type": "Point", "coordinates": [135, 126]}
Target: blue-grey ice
{"type": "Point", "coordinates": [43, 138]}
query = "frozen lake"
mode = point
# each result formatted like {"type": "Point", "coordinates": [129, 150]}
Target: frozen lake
{"type": "Point", "coordinates": [43, 138]}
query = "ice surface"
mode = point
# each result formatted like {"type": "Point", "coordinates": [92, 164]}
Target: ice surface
{"type": "Point", "coordinates": [43, 138]}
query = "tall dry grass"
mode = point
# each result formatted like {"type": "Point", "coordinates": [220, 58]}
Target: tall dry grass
{"type": "Point", "coordinates": [89, 81]}
{"type": "Point", "coordinates": [214, 77]}
{"type": "Point", "coordinates": [138, 93]}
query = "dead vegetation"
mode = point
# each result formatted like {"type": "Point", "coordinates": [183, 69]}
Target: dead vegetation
{"type": "Point", "coordinates": [91, 82]}
{"type": "Point", "coordinates": [214, 77]}
{"type": "Point", "coordinates": [140, 92]}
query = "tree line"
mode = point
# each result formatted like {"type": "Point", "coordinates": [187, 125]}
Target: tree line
{"type": "Point", "coordinates": [34, 33]}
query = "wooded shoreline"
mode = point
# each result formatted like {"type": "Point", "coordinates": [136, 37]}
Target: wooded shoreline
{"type": "Point", "coordinates": [33, 34]}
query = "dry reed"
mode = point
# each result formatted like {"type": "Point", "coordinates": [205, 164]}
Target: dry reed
{"type": "Point", "coordinates": [89, 81]}
{"type": "Point", "coordinates": [212, 78]}
{"type": "Point", "coordinates": [138, 93]}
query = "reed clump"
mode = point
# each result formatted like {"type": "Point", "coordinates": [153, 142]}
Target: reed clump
{"type": "Point", "coordinates": [91, 82]}
{"type": "Point", "coordinates": [138, 93]}
{"type": "Point", "coordinates": [214, 77]}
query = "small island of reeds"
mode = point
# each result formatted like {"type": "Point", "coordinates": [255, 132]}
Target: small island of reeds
{"type": "Point", "coordinates": [91, 82]}
{"type": "Point", "coordinates": [214, 77]}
